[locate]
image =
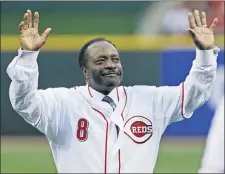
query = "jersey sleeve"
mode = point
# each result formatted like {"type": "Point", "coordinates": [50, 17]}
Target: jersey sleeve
{"type": "Point", "coordinates": [174, 103]}
{"type": "Point", "coordinates": [39, 108]}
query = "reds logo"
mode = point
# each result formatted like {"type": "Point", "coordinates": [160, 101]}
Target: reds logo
{"type": "Point", "coordinates": [139, 129]}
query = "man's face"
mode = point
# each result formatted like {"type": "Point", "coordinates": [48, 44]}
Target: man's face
{"type": "Point", "coordinates": [103, 68]}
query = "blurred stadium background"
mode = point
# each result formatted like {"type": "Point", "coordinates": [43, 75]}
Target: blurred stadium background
{"type": "Point", "coordinates": [155, 50]}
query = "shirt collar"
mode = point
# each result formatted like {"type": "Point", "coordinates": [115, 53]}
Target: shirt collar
{"type": "Point", "coordinates": [114, 94]}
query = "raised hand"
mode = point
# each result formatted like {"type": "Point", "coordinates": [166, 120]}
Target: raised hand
{"type": "Point", "coordinates": [29, 36]}
{"type": "Point", "coordinates": [202, 35]}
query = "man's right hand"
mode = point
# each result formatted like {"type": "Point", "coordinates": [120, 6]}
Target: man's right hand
{"type": "Point", "coordinates": [30, 39]}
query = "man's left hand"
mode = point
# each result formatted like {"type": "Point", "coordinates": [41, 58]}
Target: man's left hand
{"type": "Point", "coordinates": [202, 35]}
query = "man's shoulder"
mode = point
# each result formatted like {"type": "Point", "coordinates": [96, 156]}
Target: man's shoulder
{"type": "Point", "coordinates": [139, 88]}
{"type": "Point", "coordinates": [62, 91]}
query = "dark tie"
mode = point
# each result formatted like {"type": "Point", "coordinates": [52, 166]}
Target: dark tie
{"type": "Point", "coordinates": [110, 101]}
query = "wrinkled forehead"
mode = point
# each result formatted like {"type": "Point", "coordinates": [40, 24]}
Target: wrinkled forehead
{"type": "Point", "coordinates": [101, 48]}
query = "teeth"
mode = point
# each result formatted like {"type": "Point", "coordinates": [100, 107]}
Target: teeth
{"type": "Point", "coordinates": [110, 73]}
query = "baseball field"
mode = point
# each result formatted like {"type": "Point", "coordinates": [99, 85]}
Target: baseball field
{"type": "Point", "coordinates": [33, 155]}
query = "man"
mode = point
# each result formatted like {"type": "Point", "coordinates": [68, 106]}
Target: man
{"type": "Point", "coordinates": [103, 127]}
{"type": "Point", "coordinates": [213, 158]}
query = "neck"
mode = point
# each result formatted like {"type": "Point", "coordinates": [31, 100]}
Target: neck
{"type": "Point", "coordinates": [103, 91]}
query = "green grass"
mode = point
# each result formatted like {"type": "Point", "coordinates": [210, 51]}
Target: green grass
{"type": "Point", "coordinates": [173, 158]}
{"type": "Point", "coordinates": [30, 160]}
{"type": "Point", "coordinates": [179, 159]}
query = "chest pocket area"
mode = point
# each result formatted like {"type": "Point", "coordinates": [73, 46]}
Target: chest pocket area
{"type": "Point", "coordinates": [138, 124]}
{"type": "Point", "coordinates": [139, 129]}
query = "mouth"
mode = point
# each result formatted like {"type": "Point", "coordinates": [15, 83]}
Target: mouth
{"type": "Point", "coordinates": [111, 74]}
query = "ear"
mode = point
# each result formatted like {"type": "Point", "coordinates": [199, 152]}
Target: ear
{"type": "Point", "coordinates": [85, 73]}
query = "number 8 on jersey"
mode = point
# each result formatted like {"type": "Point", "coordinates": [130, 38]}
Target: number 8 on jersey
{"type": "Point", "coordinates": [82, 129]}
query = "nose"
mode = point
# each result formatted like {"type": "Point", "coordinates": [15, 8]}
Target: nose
{"type": "Point", "coordinates": [109, 64]}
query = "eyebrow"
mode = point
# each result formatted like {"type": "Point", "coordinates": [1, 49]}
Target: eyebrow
{"type": "Point", "coordinates": [111, 55]}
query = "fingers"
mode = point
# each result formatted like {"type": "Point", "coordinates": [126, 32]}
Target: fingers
{"type": "Point", "coordinates": [29, 18]}
{"type": "Point", "coordinates": [21, 27]}
{"type": "Point", "coordinates": [196, 21]}
{"type": "Point", "coordinates": [25, 21]}
{"type": "Point", "coordinates": [204, 23]}
{"type": "Point", "coordinates": [191, 20]}
{"type": "Point", "coordinates": [197, 18]}
{"type": "Point", "coordinates": [36, 19]}
{"type": "Point", "coordinates": [213, 26]}
{"type": "Point", "coordinates": [46, 34]}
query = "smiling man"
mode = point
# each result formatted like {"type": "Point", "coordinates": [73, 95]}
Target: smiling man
{"type": "Point", "coordinates": [103, 127]}
{"type": "Point", "coordinates": [100, 63]}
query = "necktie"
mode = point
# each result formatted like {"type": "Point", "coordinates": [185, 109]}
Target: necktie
{"type": "Point", "coordinates": [110, 101]}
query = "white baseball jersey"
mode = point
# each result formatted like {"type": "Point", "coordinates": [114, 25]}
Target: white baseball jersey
{"type": "Point", "coordinates": [213, 158]}
{"type": "Point", "coordinates": [81, 128]}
